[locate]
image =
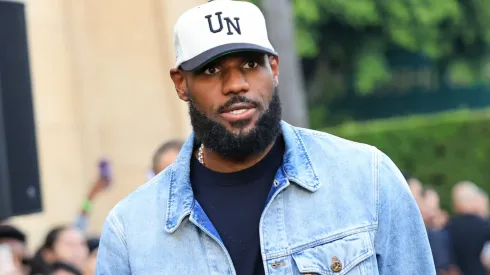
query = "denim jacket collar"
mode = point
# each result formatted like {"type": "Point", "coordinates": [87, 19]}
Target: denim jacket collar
{"type": "Point", "coordinates": [296, 165]}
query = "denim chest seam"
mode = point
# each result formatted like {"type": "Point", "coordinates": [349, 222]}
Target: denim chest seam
{"type": "Point", "coordinates": [289, 251]}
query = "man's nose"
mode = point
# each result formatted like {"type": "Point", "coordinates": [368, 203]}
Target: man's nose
{"type": "Point", "coordinates": [234, 81]}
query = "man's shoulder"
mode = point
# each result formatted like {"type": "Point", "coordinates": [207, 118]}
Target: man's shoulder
{"type": "Point", "coordinates": [147, 198]}
{"type": "Point", "coordinates": [315, 141]}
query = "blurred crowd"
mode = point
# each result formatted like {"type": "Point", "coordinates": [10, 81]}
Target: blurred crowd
{"type": "Point", "coordinates": [68, 249]}
{"type": "Point", "coordinates": [459, 242]}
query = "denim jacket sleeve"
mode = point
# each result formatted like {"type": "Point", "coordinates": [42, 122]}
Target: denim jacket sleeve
{"type": "Point", "coordinates": [401, 243]}
{"type": "Point", "coordinates": [112, 255]}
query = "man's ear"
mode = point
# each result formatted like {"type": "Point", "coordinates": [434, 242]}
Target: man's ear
{"type": "Point", "coordinates": [274, 63]}
{"type": "Point", "coordinates": [180, 84]}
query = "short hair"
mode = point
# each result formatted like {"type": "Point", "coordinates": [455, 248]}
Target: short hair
{"type": "Point", "coordinates": [11, 232]}
{"type": "Point", "coordinates": [175, 144]}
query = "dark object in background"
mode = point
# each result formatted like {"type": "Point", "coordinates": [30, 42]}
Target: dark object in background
{"type": "Point", "coordinates": [19, 173]}
{"type": "Point", "coordinates": [93, 244]}
{"type": "Point", "coordinates": [11, 232]}
{"type": "Point", "coordinates": [468, 234]}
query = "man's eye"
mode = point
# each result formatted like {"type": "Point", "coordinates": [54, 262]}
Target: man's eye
{"type": "Point", "coordinates": [211, 71]}
{"type": "Point", "coordinates": [250, 65]}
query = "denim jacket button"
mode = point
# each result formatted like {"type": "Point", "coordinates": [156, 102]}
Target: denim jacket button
{"type": "Point", "coordinates": [336, 265]}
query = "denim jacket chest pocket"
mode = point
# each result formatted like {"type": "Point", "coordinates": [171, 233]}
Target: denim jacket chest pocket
{"type": "Point", "coordinates": [345, 256]}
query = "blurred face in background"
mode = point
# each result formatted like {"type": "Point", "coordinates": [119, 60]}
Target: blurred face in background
{"type": "Point", "coordinates": [415, 187]}
{"type": "Point", "coordinates": [465, 198]}
{"type": "Point", "coordinates": [430, 208]}
{"type": "Point", "coordinates": [481, 204]}
{"type": "Point", "coordinates": [70, 247]}
{"type": "Point", "coordinates": [432, 200]}
{"type": "Point", "coordinates": [440, 220]}
{"type": "Point", "coordinates": [91, 263]}
{"type": "Point", "coordinates": [166, 159]}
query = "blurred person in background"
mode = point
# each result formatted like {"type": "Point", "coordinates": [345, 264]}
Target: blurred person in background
{"type": "Point", "coordinates": [64, 244]}
{"type": "Point", "coordinates": [468, 230]}
{"type": "Point", "coordinates": [93, 247]}
{"type": "Point", "coordinates": [99, 185]}
{"type": "Point", "coordinates": [165, 155]}
{"type": "Point", "coordinates": [441, 220]}
{"type": "Point", "coordinates": [437, 232]}
{"type": "Point", "coordinates": [61, 268]}
{"type": "Point", "coordinates": [16, 242]}
{"type": "Point", "coordinates": [482, 204]}
{"type": "Point", "coordinates": [416, 188]}
{"type": "Point", "coordinates": [485, 257]}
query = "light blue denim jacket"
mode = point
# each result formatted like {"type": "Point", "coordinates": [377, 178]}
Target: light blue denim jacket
{"type": "Point", "coordinates": [332, 200]}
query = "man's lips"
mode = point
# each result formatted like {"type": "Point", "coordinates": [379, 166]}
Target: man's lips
{"type": "Point", "coordinates": [238, 106]}
{"type": "Point", "coordinates": [238, 111]}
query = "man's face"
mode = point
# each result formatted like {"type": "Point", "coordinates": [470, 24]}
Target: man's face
{"type": "Point", "coordinates": [234, 107]}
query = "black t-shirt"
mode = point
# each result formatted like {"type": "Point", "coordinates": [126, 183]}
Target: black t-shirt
{"type": "Point", "coordinates": [234, 203]}
{"type": "Point", "coordinates": [468, 234]}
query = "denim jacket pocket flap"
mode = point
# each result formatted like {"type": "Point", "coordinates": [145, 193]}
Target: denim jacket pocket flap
{"type": "Point", "coordinates": [335, 257]}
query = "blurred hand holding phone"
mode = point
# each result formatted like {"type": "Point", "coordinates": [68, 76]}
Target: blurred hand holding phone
{"type": "Point", "coordinates": [104, 178]}
{"type": "Point", "coordinates": [105, 171]}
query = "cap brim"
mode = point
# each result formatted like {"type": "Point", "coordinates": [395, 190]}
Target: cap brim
{"type": "Point", "coordinates": [210, 55]}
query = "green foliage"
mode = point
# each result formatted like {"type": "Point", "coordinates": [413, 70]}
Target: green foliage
{"type": "Point", "coordinates": [439, 29]}
{"type": "Point", "coordinates": [440, 150]}
{"type": "Point", "coordinates": [371, 69]}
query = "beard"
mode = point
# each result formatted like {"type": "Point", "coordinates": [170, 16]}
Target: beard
{"type": "Point", "coordinates": [217, 138]}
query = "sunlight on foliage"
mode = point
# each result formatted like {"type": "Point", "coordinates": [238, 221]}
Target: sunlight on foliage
{"type": "Point", "coordinates": [371, 71]}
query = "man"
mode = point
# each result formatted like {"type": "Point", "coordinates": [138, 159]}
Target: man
{"type": "Point", "coordinates": [165, 155]}
{"type": "Point", "coordinates": [250, 194]}
{"type": "Point", "coordinates": [468, 230]}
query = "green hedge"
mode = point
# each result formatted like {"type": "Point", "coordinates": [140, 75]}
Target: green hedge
{"type": "Point", "coordinates": [440, 149]}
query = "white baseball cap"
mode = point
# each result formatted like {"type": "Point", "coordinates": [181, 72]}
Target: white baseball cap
{"type": "Point", "coordinates": [217, 28]}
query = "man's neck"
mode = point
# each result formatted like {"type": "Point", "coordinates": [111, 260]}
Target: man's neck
{"type": "Point", "coordinates": [218, 163]}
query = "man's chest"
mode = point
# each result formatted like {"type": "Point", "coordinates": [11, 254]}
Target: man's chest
{"type": "Point", "coordinates": [297, 235]}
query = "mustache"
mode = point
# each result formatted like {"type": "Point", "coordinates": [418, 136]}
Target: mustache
{"type": "Point", "coordinates": [238, 99]}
